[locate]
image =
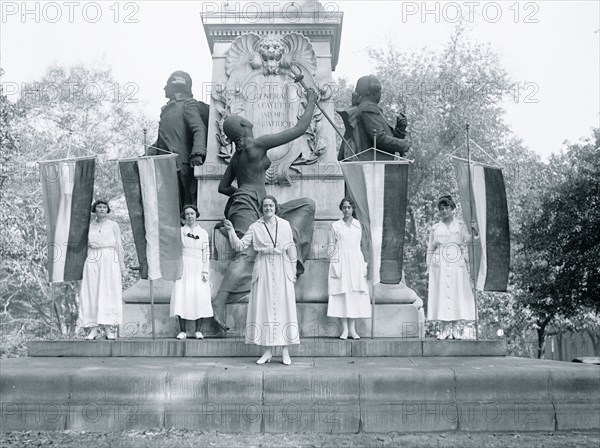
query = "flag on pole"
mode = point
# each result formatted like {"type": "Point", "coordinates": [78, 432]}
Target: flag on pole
{"type": "Point", "coordinates": [491, 260]}
{"type": "Point", "coordinates": [380, 192]}
{"type": "Point", "coordinates": [151, 193]}
{"type": "Point", "coordinates": [67, 190]}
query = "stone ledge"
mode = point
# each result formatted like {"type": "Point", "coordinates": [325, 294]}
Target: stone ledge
{"type": "Point", "coordinates": [234, 394]}
{"type": "Point", "coordinates": [320, 347]}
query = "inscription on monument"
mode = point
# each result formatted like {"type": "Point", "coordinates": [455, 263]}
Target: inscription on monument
{"type": "Point", "coordinates": [260, 87]}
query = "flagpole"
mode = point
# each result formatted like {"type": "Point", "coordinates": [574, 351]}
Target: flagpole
{"type": "Point", "coordinates": [145, 144]}
{"type": "Point", "coordinates": [372, 252]}
{"type": "Point", "coordinates": [471, 248]}
{"type": "Point", "coordinates": [69, 143]}
{"type": "Point", "coordinates": [52, 311]}
{"type": "Point", "coordinates": [152, 308]}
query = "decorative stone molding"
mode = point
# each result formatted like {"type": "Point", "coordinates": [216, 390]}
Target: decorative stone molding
{"type": "Point", "coordinates": [259, 86]}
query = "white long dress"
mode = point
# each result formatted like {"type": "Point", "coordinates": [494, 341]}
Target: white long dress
{"type": "Point", "coordinates": [272, 318]}
{"type": "Point", "coordinates": [347, 284]}
{"type": "Point", "coordinates": [450, 296]}
{"type": "Point", "coordinates": [101, 295]}
{"type": "Point", "coordinates": [190, 297]}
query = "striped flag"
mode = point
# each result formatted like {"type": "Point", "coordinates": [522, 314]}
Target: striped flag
{"type": "Point", "coordinates": [151, 192]}
{"type": "Point", "coordinates": [380, 192]}
{"type": "Point", "coordinates": [491, 259]}
{"type": "Point", "coordinates": [67, 190]}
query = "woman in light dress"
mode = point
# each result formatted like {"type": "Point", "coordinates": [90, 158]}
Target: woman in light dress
{"type": "Point", "coordinates": [271, 319]}
{"type": "Point", "coordinates": [348, 289]}
{"type": "Point", "coordinates": [100, 298]}
{"type": "Point", "coordinates": [450, 299]}
{"type": "Point", "coordinates": [190, 297]}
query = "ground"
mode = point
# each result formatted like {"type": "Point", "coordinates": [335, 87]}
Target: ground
{"type": "Point", "coordinates": [197, 439]}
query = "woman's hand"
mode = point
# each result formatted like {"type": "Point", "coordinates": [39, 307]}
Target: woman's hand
{"type": "Point", "coordinates": [475, 228]}
{"type": "Point", "coordinates": [311, 95]}
{"type": "Point", "coordinates": [228, 225]}
{"type": "Point", "coordinates": [124, 271]}
{"type": "Point", "coordinates": [205, 277]}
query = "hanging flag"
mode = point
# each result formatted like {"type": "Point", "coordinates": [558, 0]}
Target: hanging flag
{"type": "Point", "coordinates": [151, 192]}
{"type": "Point", "coordinates": [380, 192]}
{"type": "Point", "coordinates": [67, 190]}
{"type": "Point", "coordinates": [491, 259]}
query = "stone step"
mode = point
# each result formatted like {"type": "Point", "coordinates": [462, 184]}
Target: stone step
{"type": "Point", "coordinates": [333, 395]}
{"type": "Point", "coordinates": [236, 347]}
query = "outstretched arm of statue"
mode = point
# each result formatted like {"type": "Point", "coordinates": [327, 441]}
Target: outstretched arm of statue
{"type": "Point", "coordinates": [236, 243]}
{"type": "Point", "coordinates": [225, 186]}
{"type": "Point", "coordinates": [272, 141]}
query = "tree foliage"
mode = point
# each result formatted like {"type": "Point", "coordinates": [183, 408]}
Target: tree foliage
{"type": "Point", "coordinates": [440, 92]}
{"type": "Point", "coordinates": [557, 269]}
{"type": "Point", "coordinates": [70, 112]}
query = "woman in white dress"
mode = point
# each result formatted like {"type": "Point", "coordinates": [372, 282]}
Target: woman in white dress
{"type": "Point", "coordinates": [100, 297]}
{"type": "Point", "coordinates": [190, 298]}
{"type": "Point", "coordinates": [271, 319]}
{"type": "Point", "coordinates": [348, 289]}
{"type": "Point", "coordinates": [450, 299]}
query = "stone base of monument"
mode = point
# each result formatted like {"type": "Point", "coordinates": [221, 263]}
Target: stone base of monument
{"type": "Point", "coordinates": [392, 321]}
{"type": "Point", "coordinates": [236, 347]}
{"type": "Point", "coordinates": [398, 310]}
{"type": "Point", "coordinates": [314, 394]}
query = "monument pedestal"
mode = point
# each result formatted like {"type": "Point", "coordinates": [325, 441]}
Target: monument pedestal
{"type": "Point", "coordinates": [398, 310]}
{"type": "Point", "coordinates": [392, 321]}
{"type": "Point", "coordinates": [253, 76]}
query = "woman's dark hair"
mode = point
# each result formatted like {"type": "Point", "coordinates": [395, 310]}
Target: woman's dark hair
{"type": "Point", "coordinates": [193, 207]}
{"type": "Point", "coordinates": [349, 201]}
{"type": "Point", "coordinates": [274, 202]}
{"type": "Point", "coordinates": [100, 201]}
{"type": "Point", "coordinates": [446, 200]}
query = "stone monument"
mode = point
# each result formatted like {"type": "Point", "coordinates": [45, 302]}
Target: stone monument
{"type": "Point", "coordinates": [254, 54]}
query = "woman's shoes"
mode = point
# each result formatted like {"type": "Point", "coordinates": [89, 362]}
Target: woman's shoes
{"type": "Point", "coordinates": [93, 334]}
{"type": "Point", "coordinates": [110, 334]}
{"type": "Point", "coordinates": [354, 336]}
{"type": "Point", "coordinates": [265, 358]}
{"type": "Point", "coordinates": [344, 335]}
{"type": "Point", "coordinates": [286, 359]}
{"type": "Point", "coordinates": [442, 336]}
{"type": "Point", "coordinates": [285, 356]}
{"type": "Point", "coordinates": [199, 335]}
{"type": "Point", "coordinates": [181, 335]}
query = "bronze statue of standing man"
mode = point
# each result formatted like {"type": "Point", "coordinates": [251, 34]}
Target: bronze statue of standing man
{"type": "Point", "coordinates": [183, 131]}
{"type": "Point", "coordinates": [367, 126]}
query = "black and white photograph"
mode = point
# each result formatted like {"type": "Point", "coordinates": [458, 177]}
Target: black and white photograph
{"type": "Point", "coordinates": [300, 223]}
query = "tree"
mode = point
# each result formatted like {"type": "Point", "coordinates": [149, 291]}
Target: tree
{"type": "Point", "coordinates": [559, 247]}
{"type": "Point", "coordinates": [9, 113]}
{"type": "Point", "coordinates": [440, 92]}
{"type": "Point", "coordinates": [70, 112]}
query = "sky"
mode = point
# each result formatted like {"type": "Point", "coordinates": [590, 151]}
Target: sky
{"type": "Point", "coordinates": [550, 48]}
